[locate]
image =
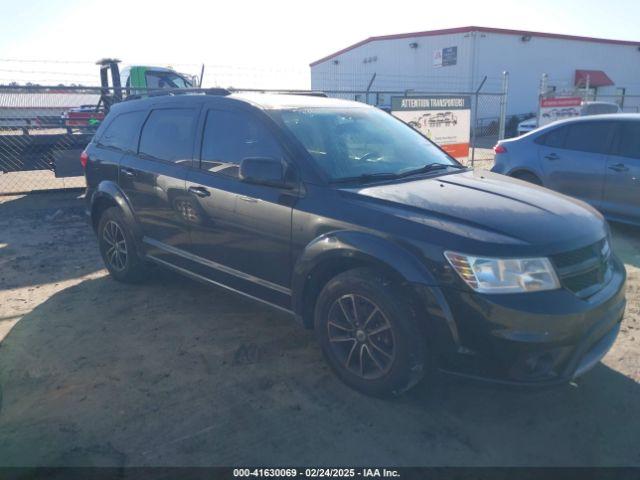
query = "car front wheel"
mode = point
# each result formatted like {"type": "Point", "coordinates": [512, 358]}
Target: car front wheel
{"type": "Point", "coordinates": [368, 333]}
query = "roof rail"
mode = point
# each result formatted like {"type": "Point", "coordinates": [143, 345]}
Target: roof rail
{"type": "Point", "coordinates": [310, 93]}
{"type": "Point", "coordinates": [163, 92]}
{"type": "Point", "coordinates": [217, 91]}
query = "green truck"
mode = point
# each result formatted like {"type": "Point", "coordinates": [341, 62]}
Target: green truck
{"type": "Point", "coordinates": [137, 80]}
{"type": "Point", "coordinates": [141, 78]}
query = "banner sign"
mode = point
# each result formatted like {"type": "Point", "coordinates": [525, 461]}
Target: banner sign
{"type": "Point", "coordinates": [445, 57]}
{"type": "Point", "coordinates": [445, 120]}
{"type": "Point", "coordinates": [552, 109]}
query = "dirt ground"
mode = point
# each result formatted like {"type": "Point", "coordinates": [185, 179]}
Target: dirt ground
{"type": "Point", "coordinates": [177, 373]}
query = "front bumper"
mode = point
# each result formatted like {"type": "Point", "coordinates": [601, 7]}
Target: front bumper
{"type": "Point", "coordinates": [534, 339]}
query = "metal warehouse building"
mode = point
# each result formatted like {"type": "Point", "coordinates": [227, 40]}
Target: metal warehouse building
{"type": "Point", "coordinates": [457, 59]}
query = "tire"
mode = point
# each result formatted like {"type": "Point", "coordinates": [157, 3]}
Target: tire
{"type": "Point", "coordinates": [124, 264]}
{"type": "Point", "coordinates": [385, 354]}
{"type": "Point", "coordinates": [528, 177]}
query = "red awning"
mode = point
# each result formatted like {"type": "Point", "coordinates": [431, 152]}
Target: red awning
{"type": "Point", "coordinates": [597, 78]}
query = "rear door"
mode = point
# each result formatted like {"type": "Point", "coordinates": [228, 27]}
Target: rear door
{"type": "Point", "coordinates": [241, 232]}
{"type": "Point", "coordinates": [154, 178]}
{"type": "Point", "coordinates": [622, 186]}
{"type": "Point", "coordinates": [573, 158]}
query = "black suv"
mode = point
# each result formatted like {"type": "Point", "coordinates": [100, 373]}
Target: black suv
{"type": "Point", "coordinates": [402, 260]}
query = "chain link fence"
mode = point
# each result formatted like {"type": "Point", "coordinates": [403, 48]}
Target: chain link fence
{"type": "Point", "coordinates": [43, 130]}
{"type": "Point", "coordinates": [551, 87]}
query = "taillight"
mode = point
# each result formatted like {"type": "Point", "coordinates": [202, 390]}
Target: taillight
{"type": "Point", "coordinates": [84, 158]}
{"type": "Point", "coordinates": [499, 149]}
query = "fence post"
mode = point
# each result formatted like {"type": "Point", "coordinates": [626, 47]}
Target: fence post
{"type": "Point", "coordinates": [475, 121]}
{"type": "Point", "coordinates": [366, 99]}
{"type": "Point", "coordinates": [587, 97]}
{"type": "Point", "coordinates": [503, 104]}
{"type": "Point", "coordinates": [542, 94]}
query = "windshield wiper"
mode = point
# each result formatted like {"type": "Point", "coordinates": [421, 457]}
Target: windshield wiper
{"type": "Point", "coordinates": [366, 177]}
{"type": "Point", "coordinates": [429, 167]}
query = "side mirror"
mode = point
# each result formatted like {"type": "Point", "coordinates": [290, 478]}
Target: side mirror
{"type": "Point", "coordinates": [263, 171]}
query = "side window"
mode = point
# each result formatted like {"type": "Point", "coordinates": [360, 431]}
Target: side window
{"type": "Point", "coordinates": [168, 134]}
{"type": "Point", "coordinates": [592, 137]}
{"type": "Point", "coordinates": [122, 133]}
{"type": "Point", "coordinates": [230, 136]}
{"type": "Point", "coordinates": [554, 138]}
{"type": "Point", "coordinates": [628, 144]}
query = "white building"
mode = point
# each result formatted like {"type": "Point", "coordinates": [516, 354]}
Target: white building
{"type": "Point", "coordinates": [457, 59]}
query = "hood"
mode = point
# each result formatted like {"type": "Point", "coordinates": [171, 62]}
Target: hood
{"type": "Point", "coordinates": [485, 206]}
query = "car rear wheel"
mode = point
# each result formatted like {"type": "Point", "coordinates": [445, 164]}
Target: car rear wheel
{"type": "Point", "coordinates": [118, 248]}
{"type": "Point", "coordinates": [368, 333]}
{"type": "Point", "coordinates": [528, 177]}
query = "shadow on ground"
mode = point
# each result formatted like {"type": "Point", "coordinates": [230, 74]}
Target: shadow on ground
{"type": "Point", "coordinates": [45, 238]}
{"type": "Point", "coordinates": [176, 373]}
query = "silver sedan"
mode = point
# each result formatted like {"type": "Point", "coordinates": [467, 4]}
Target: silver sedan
{"type": "Point", "coordinates": [595, 159]}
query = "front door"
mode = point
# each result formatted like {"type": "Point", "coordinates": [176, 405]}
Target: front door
{"type": "Point", "coordinates": [154, 179]}
{"type": "Point", "coordinates": [240, 233]}
{"type": "Point", "coordinates": [622, 187]}
{"type": "Point", "coordinates": [573, 158]}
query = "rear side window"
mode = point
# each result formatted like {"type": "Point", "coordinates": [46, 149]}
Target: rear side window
{"type": "Point", "coordinates": [592, 137]}
{"type": "Point", "coordinates": [168, 134]}
{"type": "Point", "coordinates": [555, 138]}
{"type": "Point", "coordinates": [122, 133]}
{"type": "Point", "coordinates": [628, 144]}
{"type": "Point", "coordinates": [230, 136]}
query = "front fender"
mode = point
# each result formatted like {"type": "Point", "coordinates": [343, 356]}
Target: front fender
{"type": "Point", "coordinates": [368, 249]}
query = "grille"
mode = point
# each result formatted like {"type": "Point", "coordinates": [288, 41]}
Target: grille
{"type": "Point", "coordinates": [586, 270]}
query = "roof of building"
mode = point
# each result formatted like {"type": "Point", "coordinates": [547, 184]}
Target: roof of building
{"type": "Point", "coordinates": [447, 31]}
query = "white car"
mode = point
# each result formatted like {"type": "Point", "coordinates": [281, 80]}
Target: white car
{"type": "Point", "coordinates": [587, 108]}
{"type": "Point", "coordinates": [527, 125]}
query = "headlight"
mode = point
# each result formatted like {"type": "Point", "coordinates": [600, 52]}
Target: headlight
{"type": "Point", "coordinates": [504, 275]}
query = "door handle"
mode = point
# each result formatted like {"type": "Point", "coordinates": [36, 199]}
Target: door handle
{"type": "Point", "coordinates": [128, 172]}
{"type": "Point", "coordinates": [619, 167]}
{"type": "Point", "coordinates": [199, 192]}
{"type": "Point", "coordinates": [247, 199]}
{"type": "Point", "coordinates": [552, 156]}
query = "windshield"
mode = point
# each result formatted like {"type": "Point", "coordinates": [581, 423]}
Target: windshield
{"type": "Point", "coordinates": [166, 80]}
{"type": "Point", "coordinates": [354, 142]}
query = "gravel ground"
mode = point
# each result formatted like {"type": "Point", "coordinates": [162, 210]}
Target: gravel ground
{"type": "Point", "coordinates": [177, 373]}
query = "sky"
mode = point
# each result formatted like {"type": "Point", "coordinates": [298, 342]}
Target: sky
{"type": "Point", "coordinates": [60, 40]}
